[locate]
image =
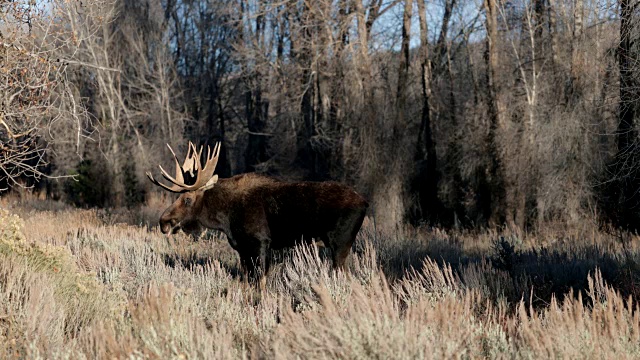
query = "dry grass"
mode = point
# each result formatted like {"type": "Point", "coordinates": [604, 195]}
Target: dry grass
{"type": "Point", "coordinates": [83, 284]}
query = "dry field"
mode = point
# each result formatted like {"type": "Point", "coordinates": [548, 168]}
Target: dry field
{"type": "Point", "coordinates": [99, 284]}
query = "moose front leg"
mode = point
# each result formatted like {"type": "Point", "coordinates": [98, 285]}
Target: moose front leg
{"type": "Point", "coordinates": [256, 264]}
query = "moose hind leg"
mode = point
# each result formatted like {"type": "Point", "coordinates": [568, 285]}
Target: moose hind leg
{"type": "Point", "coordinates": [340, 256]}
{"type": "Point", "coordinates": [344, 235]}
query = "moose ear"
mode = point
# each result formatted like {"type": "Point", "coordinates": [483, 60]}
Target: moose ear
{"type": "Point", "coordinates": [210, 183]}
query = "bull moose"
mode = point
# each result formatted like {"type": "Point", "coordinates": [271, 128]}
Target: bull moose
{"type": "Point", "coordinates": [258, 213]}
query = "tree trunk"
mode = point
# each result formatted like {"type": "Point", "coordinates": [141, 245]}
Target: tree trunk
{"type": "Point", "coordinates": [472, 68]}
{"type": "Point", "coordinates": [496, 180]}
{"type": "Point", "coordinates": [553, 33]}
{"type": "Point", "coordinates": [364, 63]}
{"type": "Point", "coordinates": [215, 127]}
{"type": "Point", "coordinates": [538, 14]}
{"type": "Point", "coordinates": [427, 176]}
{"type": "Point", "coordinates": [223, 169]}
{"type": "Point", "coordinates": [441, 45]}
{"type": "Point", "coordinates": [338, 92]}
{"type": "Point", "coordinates": [453, 152]}
{"type": "Point", "coordinates": [116, 199]}
{"type": "Point", "coordinates": [307, 157]}
{"type": "Point", "coordinates": [573, 82]}
{"type": "Point", "coordinates": [256, 108]}
{"type": "Point", "coordinates": [403, 73]}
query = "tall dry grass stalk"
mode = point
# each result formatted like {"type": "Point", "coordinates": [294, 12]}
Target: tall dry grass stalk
{"type": "Point", "coordinates": [81, 284]}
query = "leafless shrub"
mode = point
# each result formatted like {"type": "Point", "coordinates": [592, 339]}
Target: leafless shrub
{"type": "Point", "coordinates": [36, 92]}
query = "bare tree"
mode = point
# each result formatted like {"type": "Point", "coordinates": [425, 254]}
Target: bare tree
{"type": "Point", "coordinates": [553, 32]}
{"type": "Point", "coordinates": [578, 15]}
{"type": "Point", "coordinates": [132, 86]}
{"type": "Point", "coordinates": [495, 110]}
{"type": "Point", "coordinates": [527, 61]}
{"type": "Point", "coordinates": [35, 91]}
{"type": "Point", "coordinates": [403, 70]}
{"type": "Point", "coordinates": [427, 177]}
{"type": "Point", "coordinates": [318, 91]}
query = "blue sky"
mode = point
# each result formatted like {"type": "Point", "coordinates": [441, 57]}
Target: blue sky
{"type": "Point", "coordinates": [390, 24]}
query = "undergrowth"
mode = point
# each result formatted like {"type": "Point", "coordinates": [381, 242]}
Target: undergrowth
{"type": "Point", "coordinates": [83, 284]}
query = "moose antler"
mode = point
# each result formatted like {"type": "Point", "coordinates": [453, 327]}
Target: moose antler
{"type": "Point", "coordinates": [191, 168]}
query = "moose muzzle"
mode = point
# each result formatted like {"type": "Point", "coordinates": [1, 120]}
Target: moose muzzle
{"type": "Point", "coordinates": [167, 225]}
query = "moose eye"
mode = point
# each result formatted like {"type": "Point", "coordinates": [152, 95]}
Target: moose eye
{"type": "Point", "coordinates": [187, 201]}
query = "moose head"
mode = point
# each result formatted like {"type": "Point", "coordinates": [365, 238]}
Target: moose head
{"type": "Point", "coordinates": [191, 179]}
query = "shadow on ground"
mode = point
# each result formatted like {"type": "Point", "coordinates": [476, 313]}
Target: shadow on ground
{"type": "Point", "coordinates": [501, 267]}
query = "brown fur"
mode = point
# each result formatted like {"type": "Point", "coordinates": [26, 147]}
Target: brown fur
{"type": "Point", "coordinates": [259, 213]}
